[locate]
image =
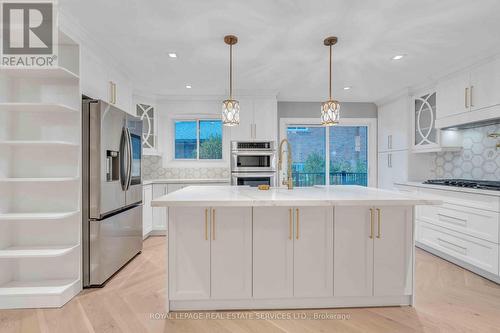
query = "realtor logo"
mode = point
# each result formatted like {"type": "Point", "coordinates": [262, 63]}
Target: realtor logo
{"type": "Point", "coordinates": [29, 33]}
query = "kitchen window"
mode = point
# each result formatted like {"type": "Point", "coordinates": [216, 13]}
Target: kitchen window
{"type": "Point", "coordinates": [336, 155]}
{"type": "Point", "coordinates": [199, 139]}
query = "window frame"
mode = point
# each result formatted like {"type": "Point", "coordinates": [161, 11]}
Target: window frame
{"type": "Point", "coordinates": [370, 123]}
{"type": "Point", "coordinates": [197, 120]}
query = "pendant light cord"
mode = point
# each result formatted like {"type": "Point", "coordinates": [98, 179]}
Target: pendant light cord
{"type": "Point", "coordinates": [330, 72]}
{"type": "Point", "coordinates": [231, 71]}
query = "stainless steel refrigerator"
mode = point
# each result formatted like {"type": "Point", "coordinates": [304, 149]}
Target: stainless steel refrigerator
{"type": "Point", "coordinates": [112, 190]}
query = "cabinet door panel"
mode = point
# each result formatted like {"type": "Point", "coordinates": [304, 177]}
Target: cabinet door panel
{"type": "Point", "coordinates": [485, 85]}
{"type": "Point", "coordinates": [272, 252]}
{"type": "Point", "coordinates": [189, 254]}
{"type": "Point", "coordinates": [147, 212]}
{"type": "Point", "coordinates": [353, 252]}
{"type": "Point", "coordinates": [313, 252]}
{"type": "Point", "coordinates": [231, 253]}
{"type": "Point", "coordinates": [392, 260]}
{"type": "Point", "coordinates": [452, 97]}
{"type": "Point", "coordinates": [160, 217]}
{"type": "Point", "coordinates": [243, 132]}
{"type": "Point", "coordinates": [265, 119]}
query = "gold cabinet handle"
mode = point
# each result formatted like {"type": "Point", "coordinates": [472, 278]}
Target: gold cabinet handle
{"type": "Point", "coordinates": [297, 221]}
{"type": "Point", "coordinates": [290, 218]}
{"type": "Point", "coordinates": [471, 102]}
{"type": "Point", "coordinates": [371, 223]}
{"type": "Point", "coordinates": [466, 97]}
{"type": "Point", "coordinates": [206, 223]}
{"type": "Point", "coordinates": [379, 233]}
{"type": "Point", "coordinates": [213, 223]}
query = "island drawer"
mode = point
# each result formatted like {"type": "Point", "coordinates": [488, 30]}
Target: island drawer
{"type": "Point", "coordinates": [476, 252]}
{"type": "Point", "coordinates": [472, 200]}
{"type": "Point", "coordinates": [474, 222]}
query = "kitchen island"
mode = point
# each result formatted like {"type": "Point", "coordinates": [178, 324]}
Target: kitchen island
{"type": "Point", "coordinates": [317, 247]}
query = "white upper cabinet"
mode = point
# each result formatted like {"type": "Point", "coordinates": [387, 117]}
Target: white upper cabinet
{"type": "Point", "coordinates": [243, 131]}
{"type": "Point", "coordinates": [470, 96]}
{"type": "Point", "coordinates": [148, 114]}
{"type": "Point", "coordinates": [265, 119]}
{"type": "Point", "coordinates": [393, 125]}
{"type": "Point", "coordinates": [100, 81]}
{"type": "Point", "coordinates": [258, 120]}
{"type": "Point", "coordinates": [453, 95]}
{"type": "Point", "coordinates": [485, 86]}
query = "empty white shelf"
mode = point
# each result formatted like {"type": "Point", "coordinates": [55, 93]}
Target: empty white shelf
{"type": "Point", "coordinates": [37, 107]}
{"type": "Point", "coordinates": [36, 287]}
{"type": "Point", "coordinates": [41, 73]}
{"type": "Point", "coordinates": [38, 180]}
{"type": "Point", "coordinates": [15, 252]}
{"type": "Point", "coordinates": [36, 216]}
{"type": "Point", "coordinates": [37, 143]}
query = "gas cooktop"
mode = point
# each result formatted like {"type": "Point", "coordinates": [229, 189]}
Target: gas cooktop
{"type": "Point", "coordinates": [478, 184]}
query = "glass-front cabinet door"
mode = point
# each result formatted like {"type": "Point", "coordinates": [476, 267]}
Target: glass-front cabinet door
{"type": "Point", "coordinates": [425, 134]}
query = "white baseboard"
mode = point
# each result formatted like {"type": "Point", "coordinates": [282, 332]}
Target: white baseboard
{"type": "Point", "coordinates": [291, 303]}
{"type": "Point", "coordinates": [467, 266]}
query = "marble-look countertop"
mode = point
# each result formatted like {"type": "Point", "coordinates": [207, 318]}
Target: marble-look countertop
{"type": "Point", "coordinates": [185, 181]}
{"type": "Point", "coordinates": [450, 188]}
{"type": "Point", "coordinates": [346, 195]}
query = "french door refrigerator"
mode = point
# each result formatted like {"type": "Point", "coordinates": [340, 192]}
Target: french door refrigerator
{"type": "Point", "coordinates": [112, 190]}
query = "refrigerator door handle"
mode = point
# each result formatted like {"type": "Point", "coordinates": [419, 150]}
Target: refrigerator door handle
{"type": "Point", "coordinates": [129, 164]}
{"type": "Point", "coordinates": [124, 163]}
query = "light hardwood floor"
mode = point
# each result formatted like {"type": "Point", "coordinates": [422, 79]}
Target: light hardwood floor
{"type": "Point", "coordinates": [449, 299]}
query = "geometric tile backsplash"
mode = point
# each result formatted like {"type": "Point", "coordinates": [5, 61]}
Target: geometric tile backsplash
{"type": "Point", "coordinates": [152, 169]}
{"type": "Point", "coordinates": [478, 160]}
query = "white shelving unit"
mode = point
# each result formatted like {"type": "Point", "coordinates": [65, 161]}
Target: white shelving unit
{"type": "Point", "coordinates": [40, 182]}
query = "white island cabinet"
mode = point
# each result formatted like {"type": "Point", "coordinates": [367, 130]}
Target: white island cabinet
{"type": "Point", "coordinates": [241, 248]}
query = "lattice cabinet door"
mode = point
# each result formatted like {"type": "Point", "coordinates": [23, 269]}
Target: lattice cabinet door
{"type": "Point", "coordinates": [147, 113]}
{"type": "Point", "coordinates": [425, 134]}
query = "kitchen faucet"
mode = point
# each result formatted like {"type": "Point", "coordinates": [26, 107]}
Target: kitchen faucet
{"type": "Point", "coordinates": [495, 136]}
{"type": "Point", "coordinates": [289, 179]}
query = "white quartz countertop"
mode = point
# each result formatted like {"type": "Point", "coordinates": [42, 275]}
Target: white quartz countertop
{"type": "Point", "coordinates": [185, 181]}
{"type": "Point", "coordinates": [451, 188]}
{"type": "Point", "coordinates": [346, 195]}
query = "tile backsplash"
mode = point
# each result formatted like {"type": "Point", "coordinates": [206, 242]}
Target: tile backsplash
{"type": "Point", "coordinates": [152, 169]}
{"type": "Point", "coordinates": [479, 158]}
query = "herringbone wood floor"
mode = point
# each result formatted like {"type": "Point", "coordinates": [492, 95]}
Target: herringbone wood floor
{"type": "Point", "coordinates": [449, 299]}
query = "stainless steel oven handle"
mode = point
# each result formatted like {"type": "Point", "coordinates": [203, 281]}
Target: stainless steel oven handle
{"type": "Point", "coordinates": [130, 159]}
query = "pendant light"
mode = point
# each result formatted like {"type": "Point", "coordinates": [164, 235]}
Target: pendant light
{"type": "Point", "coordinates": [230, 107]}
{"type": "Point", "coordinates": [330, 110]}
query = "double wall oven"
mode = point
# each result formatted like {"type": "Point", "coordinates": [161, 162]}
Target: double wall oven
{"type": "Point", "coordinates": [253, 163]}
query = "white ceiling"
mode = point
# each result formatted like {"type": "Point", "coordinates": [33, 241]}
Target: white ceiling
{"type": "Point", "coordinates": [281, 43]}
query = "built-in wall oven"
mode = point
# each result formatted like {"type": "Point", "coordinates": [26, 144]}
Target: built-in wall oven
{"type": "Point", "coordinates": [253, 163]}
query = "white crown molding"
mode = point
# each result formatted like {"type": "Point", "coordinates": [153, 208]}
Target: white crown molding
{"type": "Point", "coordinates": [68, 24]}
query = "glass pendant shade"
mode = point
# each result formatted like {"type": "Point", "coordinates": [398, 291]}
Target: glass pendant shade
{"type": "Point", "coordinates": [230, 112]}
{"type": "Point", "coordinates": [330, 113]}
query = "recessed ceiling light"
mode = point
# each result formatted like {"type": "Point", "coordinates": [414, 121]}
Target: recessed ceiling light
{"type": "Point", "coordinates": [398, 57]}
{"type": "Point", "coordinates": [347, 88]}
{"type": "Point", "coordinates": [188, 86]}
{"type": "Point", "coordinates": [172, 55]}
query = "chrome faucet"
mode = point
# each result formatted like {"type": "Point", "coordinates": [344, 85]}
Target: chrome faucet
{"type": "Point", "coordinates": [289, 180]}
